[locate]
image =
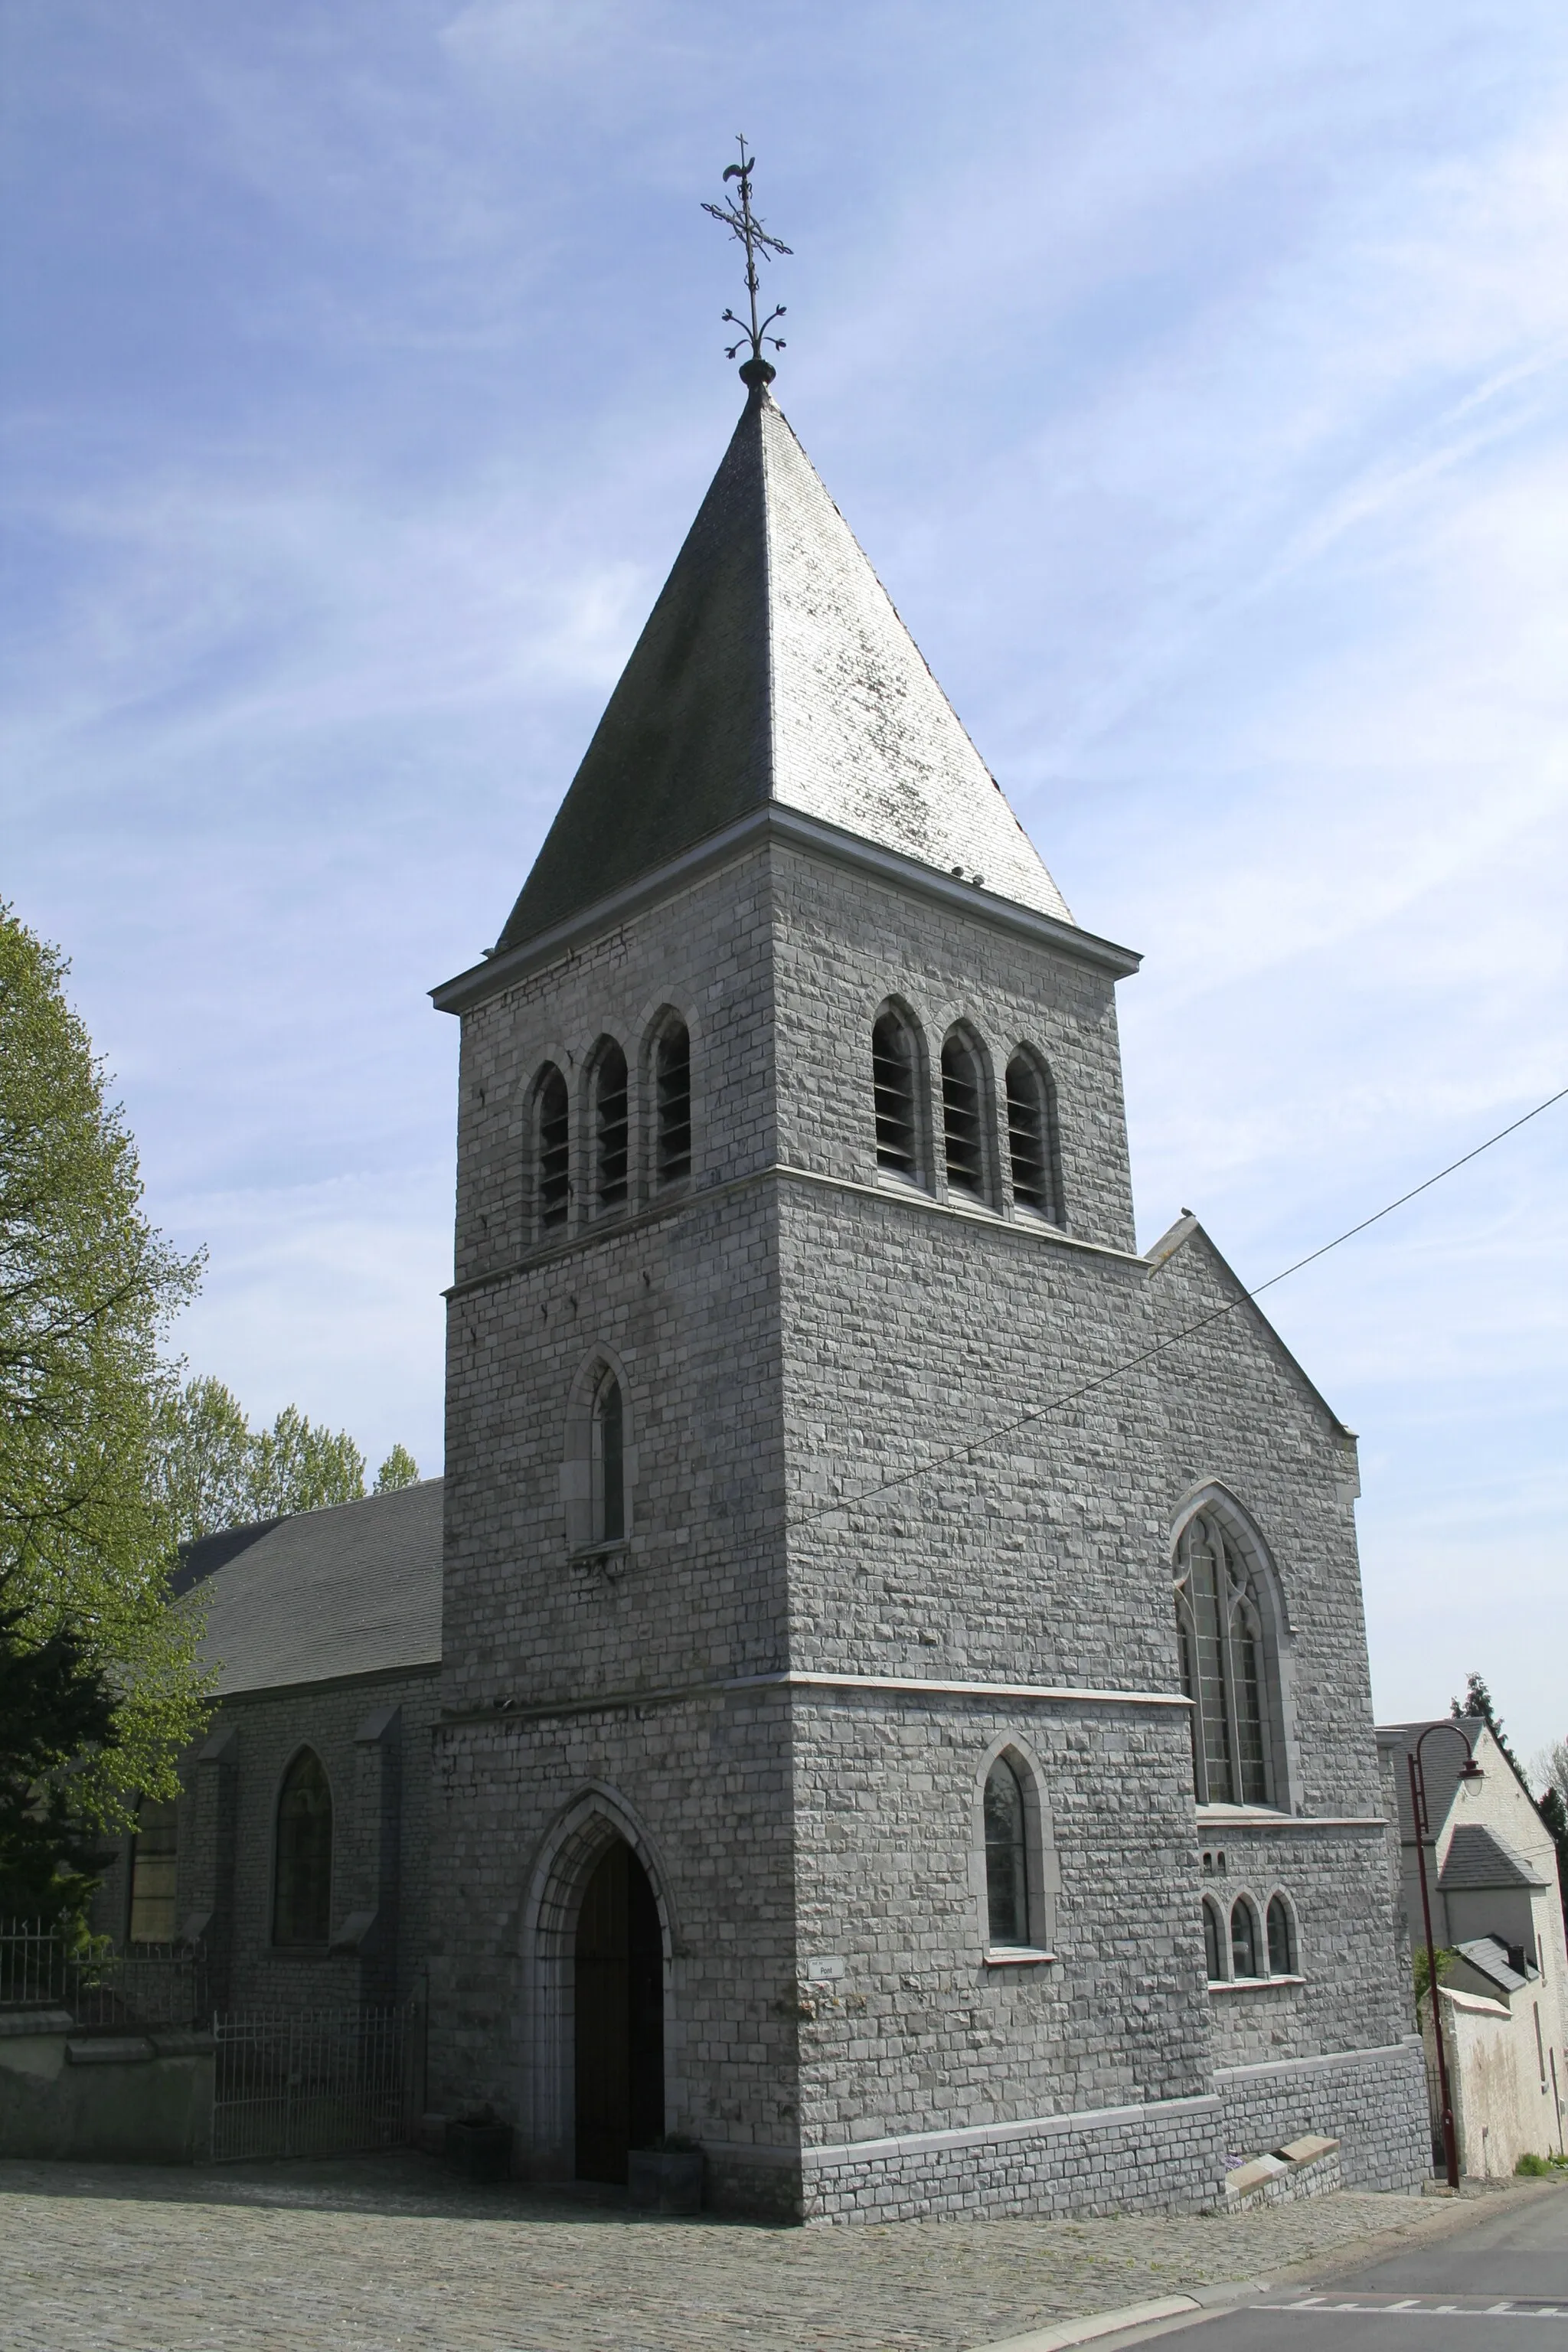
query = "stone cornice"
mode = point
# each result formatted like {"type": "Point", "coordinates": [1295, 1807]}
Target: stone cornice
{"type": "Point", "coordinates": [787, 1679]}
{"type": "Point", "coordinates": [795, 831]}
{"type": "Point", "coordinates": [904, 1196]}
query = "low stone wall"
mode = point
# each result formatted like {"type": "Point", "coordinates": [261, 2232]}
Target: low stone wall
{"type": "Point", "coordinates": [127, 2099]}
{"type": "Point", "coordinates": [1373, 2102]}
{"type": "Point", "coordinates": [1168, 2156]}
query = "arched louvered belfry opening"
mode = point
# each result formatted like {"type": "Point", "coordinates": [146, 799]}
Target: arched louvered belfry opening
{"type": "Point", "coordinates": [672, 1103]}
{"type": "Point", "coordinates": [964, 1116]}
{"type": "Point", "coordinates": [1033, 1146]}
{"type": "Point", "coordinates": [1226, 1634]}
{"type": "Point", "coordinates": [895, 1067]}
{"type": "Point", "coordinates": [552, 1150]}
{"type": "Point", "coordinates": [302, 1862]}
{"type": "Point", "coordinates": [611, 1126]}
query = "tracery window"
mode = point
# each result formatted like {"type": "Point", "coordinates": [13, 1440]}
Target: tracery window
{"type": "Point", "coordinates": [1243, 1938]}
{"type": "Point", "coordinates": [607, 1459]}
{"type": "Point", "coordinates": [1214, 1942]}
{"type": "Point", "coordinates": [551, 1149]}
{"type": "Point", "coordinates": [893, 1089]}
{"type": "Point", "coordinates": [1032, 1140]}
{"type": "Point", "coordinates": [1006, 1856]}
{"type": "Point", "coordinates": [610, 1126]}
{"type": "Point", "coordinates": [154, 1860]}
{"type": "Point", "coordinates": [1219, 1628]}
{"type": "Point", "coordinates": [672, 1104]}
{"type": "Point", "coordinates": [302, 1880]}
{"type": "Point", "coordinates": [1281, 1937]}
{"type": "Point", "coordinates": [961, 1100]}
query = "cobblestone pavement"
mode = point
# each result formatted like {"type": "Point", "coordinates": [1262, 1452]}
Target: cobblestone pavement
{"type": "Point", "coordinates": [390, 2254]}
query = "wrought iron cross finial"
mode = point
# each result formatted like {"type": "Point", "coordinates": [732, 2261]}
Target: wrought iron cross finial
{"type": "Point", "coordinates": [742, 223]}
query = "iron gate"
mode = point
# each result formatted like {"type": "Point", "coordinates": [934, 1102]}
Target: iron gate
{"type": "Point", "coordinates": [325, 2083]}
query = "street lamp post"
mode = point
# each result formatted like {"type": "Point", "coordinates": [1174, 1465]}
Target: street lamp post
{"type": "Point", "coordinates": [1472, 1771]}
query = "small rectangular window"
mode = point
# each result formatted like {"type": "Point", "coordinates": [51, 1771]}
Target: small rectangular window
{"type": "Point", "coordinates": [154, 1861]}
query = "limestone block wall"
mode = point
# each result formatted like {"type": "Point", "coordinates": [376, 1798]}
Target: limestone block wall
{"type": "Point", "coordinates": [908, 2028]}
{"type": "Point", "coordinates": [845, 942]}
{"type": "Point", "coordinates": [679, 1290]}
{"type": "Point", "coordinates": [261, 1733]}
{"type": "Point", "coordinates": [699, 1788]}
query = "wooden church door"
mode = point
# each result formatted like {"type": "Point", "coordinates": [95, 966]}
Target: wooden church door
{"type": "Point", "coordinates": [619, 2016]}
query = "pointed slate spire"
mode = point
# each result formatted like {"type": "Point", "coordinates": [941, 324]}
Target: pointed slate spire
{"type": "Point", "coordinates": [775, 668]}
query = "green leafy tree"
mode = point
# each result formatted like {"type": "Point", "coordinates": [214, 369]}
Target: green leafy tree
{"type": "Point", "coordinates": [296, 1466]}
{"type": "Point", "coordinates": [215, 1470]}
{"type": "Point", "coordinates": [1551, 1808]}
{"type": "Point", "coordinates": [88, 1289]}
{"type": "Point", "coordinates": [55, 1709]}
{"type": "Point", "coordinates": [399, 1470]}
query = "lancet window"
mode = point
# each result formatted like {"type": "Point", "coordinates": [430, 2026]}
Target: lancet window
{"type": "Point", "coordinates": [610, 1125]}
{"type": "Point", "coordinates": [1032, 1140]}
{"type": "Point", "coordinates": [672, 1106]}
{"type": "Point", "coordinates": [607, 1461]}
{"type": "Point", "coordinates": [302, 1881]}
{"type": "Point", "coordinates": [552, 1123]}
{"type": "Point", "coordinates": [1243, 1938]}
{"type": "Point", "coordinates": [961, 1100]}
{"type": "Point", "coordinates": [1006, 1856]}
{"type": "Point", "coordinates": [1225, 1665]}
{"type": "Point", "coordinates": [893, 1085]}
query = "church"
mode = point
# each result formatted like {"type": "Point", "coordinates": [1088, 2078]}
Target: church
{"type": "Point", "coordinates": [881, 1690]}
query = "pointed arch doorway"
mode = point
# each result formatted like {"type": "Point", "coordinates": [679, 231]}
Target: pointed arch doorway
{"type": "Point", "coordinates": [617, 2016]}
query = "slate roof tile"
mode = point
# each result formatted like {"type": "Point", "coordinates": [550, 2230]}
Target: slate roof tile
{"type": "Point", "coordinates": [774, 667]}
{"type": "Point", "coordinates": [351, 1591]}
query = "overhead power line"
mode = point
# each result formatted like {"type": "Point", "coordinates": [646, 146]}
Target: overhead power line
{"type": "Point", "coordinates": [973, 1445]}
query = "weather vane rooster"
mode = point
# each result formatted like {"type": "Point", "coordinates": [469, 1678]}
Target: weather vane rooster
{"type": "Point", "coordinates": [742, 223]}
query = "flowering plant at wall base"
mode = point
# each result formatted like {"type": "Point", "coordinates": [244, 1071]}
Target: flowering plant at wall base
{"type": "Point", "coordinates": [1541, 2167]}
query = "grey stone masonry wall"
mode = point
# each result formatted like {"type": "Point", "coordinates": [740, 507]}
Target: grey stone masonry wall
{"type": "Point", "coordinates": [905, 1473]}
{"type": "Point", "coordinates": [380, 1837]}
{"type": "Point", "coordinates": [700, 1790]}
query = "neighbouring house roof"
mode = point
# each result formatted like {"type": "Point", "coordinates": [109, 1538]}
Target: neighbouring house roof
{"type": "Point", "coordinates": [1479, 1859]}
{"type": "Point", "coordinates": [774, 668]}
{"type": "Point", "coordinates": [1490, 1959]}
{"type": "Point", "coordinates": [351, 1591]}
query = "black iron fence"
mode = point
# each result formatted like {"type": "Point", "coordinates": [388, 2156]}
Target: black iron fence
{"type": "Point", "coordinates": [44, 1967]}
{"type": "Point", "coordinates": [326, 2082]}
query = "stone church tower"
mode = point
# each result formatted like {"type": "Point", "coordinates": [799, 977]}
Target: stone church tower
{"type": "Point", "coordinates": [849, 1568]}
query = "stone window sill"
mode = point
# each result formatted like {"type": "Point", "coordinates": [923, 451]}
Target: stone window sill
{"type": "Point", "coordinates": [1017, 1956]}
{"type": "Point", "coordinates": [593, 1554]}
{"type": "Point", "coordinates": [1251, 1984]}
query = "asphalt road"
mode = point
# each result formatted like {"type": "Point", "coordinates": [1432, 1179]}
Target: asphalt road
{"type": "Point", "coordinates": [1497, 2285]}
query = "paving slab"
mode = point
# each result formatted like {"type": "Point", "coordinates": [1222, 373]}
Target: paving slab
{"type": "Point", "coordinates": [393, 2254]}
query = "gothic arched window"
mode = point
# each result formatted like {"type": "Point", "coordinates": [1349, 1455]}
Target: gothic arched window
{"type": "Point", "coordinates": [893, 1089]}
{"type": "Point", "coordinates": [1032, 1140]}
{"type": "Point", "coordinates": [1281, 1928]}
{"type": "Point", "coordinates": [1006, 1856]}
{"type": "Point", "coordinates": [302, 1879]}
{"type": "Point", "coordinates": [607, 1458]}
{"type": "Point", "coordinates": [1243, 1938]}
{"type": "Point", "coordinates": [1214, 1942]}
{"type": "Point", "coordinates": [672, 1104]}
{"type": "Point", "coordinates": [552, 1151]}
{"type": "Point", "coordinates": [1220, 1630]}
{"type": "Point", "coordinates": [610, 1126]}
{"type": "Point", "coordinates": [963, 1096]}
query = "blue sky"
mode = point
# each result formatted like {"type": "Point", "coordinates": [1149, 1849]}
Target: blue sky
{"type": "Point", "coordinates": [1193, 374]}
